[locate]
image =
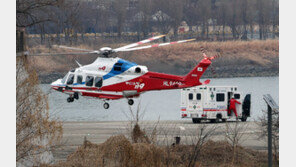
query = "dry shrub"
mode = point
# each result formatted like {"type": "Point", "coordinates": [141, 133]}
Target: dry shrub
{"type": "Point", "coordinates": [118, 151]}
{"type": "Point", "coordinates": [139, 136]}
{"type": "Point", "coordinates": [36, 133]}
{"type": "Point", "coordinates": [147, 155]}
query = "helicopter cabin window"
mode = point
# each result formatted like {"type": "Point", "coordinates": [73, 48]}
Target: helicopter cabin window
{"type": "Point", "coordinates": [98, 82]}
{"type": "Point", "coordinates": [220, 97]}
{"type": "Point", "coordinates": [117, 66]}
{"type": "Point", "coordinates": [79, 79]}
{"type": "Point", "coordinates": [198, 96]}
{"type": "Point", "coordinates": [190, 96]}
{"type": "Point", "coordinates": [89, 80]}
{"type": "Point", "coordinates": [70, 79]}
{"type": "Point", "coordinates": [236, 96]}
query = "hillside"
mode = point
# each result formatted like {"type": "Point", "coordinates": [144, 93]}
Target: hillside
{"type": "Point", "coordinates": [239, 58]}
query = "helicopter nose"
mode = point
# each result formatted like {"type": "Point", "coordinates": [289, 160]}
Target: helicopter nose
{"type": "Point", "coordinates": [55, 85]}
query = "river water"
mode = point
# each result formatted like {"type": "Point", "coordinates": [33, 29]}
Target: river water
{"type": "Point", "coordinates": [154, 105]}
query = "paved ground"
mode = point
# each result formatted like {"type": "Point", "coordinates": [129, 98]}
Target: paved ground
{"type": "Point", "coordinates": [98, 132]}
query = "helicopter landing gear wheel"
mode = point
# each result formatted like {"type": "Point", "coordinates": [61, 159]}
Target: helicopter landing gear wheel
{"type": "Point", "coordinates": [106, 105]}
{"type": "Point", "coordinates": [130, 102]}
{"type": "Point", "coordinates": [70, 99]}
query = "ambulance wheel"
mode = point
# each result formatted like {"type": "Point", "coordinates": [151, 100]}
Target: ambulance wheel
{"type": "Point", "coordinates": [214, 120]}
{"type": "Point", "coordinates": [195, 120]}
{"type": "Point", "coordinates": [70, 99]}
{"type": "Point", "coordinates": [130, 102]}
{"type": "Point", "coordinates": [106, 105]}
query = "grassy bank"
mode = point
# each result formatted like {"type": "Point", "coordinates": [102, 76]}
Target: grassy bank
{"type": "Point", "coordinates": [239, 58]}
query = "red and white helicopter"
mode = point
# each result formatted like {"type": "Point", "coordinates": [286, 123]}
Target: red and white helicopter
{"type": "Point", "coordinates": [115, 78]}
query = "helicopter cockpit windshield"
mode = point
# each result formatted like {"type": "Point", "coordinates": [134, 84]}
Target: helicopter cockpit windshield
{"type": "Point", "coordinates": [65, 77]}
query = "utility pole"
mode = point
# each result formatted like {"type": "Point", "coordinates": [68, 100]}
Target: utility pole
{"type": "Point", "coordinates": [271, 105]}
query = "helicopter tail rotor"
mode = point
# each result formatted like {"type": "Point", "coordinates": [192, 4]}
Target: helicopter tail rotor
{"type": "Point", "coordinates": [219, 53]}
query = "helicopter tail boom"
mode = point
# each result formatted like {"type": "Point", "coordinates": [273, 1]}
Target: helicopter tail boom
{"type": "Point", "coordinates": [192, 78]}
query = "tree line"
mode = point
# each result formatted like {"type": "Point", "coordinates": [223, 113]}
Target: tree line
{"type": "Point", "coordinates": [241, 18]}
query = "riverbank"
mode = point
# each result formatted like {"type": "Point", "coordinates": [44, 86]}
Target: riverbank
{"type": "Point", "coordinates": [238, 59]}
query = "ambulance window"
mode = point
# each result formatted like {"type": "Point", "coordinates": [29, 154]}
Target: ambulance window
{"type": "Point", "coordinates": [98, 82]}
{"type": "Point", "coordinates": [198, 96]}
{"type": "Point", "coordinates": [190, 96]}
{"type": "Point", "coordinates": [220, 97]}
{"type": "Point", "coordinates": [89, 80]}
{"type": "Point", "coordinates": [79, 79]}
{"type": "Point", "coordinates": [236, 96]}
{"type": "Point", "coordinates": [70, 79]}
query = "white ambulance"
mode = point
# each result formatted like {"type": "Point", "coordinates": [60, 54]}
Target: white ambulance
{"type": "Point", "coordinates": [212, 103]}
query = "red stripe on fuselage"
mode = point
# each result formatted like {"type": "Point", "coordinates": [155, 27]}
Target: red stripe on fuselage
{"type": "Point", "coordinates": [214, 110]}
{"type": "Point", "coordinates": [149, 81]}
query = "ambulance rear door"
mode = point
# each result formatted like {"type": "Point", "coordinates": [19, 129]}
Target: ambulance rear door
{"type": "Point", "coordinates": [195, 100]}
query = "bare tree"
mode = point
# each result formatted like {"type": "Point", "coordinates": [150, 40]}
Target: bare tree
{"type": "Point", "coordinates": [263, 8]}
{"type": "Point", "coordinates": [145, 13]}
{"type": "Point", "coordinates": [275, 16]}
{"type": "Point", "coordinates": [222, 16]}
{"type": "Point", "coordinates": [234, 135]}
{"type": "Point", "coordinates": [120, 10]}
{"type": "Point", "coordinates": [176, 13]}
{"type": "Point", "coordinates": [191, 14]}
{"type": "Point", "coordinates": [36, 133]}
{"type": "Point", "coordinates": [204, 132]}
{"type": "Point", "coordinates": [31, 12]}
{"type": "Point", "coordinates": [161, 17]}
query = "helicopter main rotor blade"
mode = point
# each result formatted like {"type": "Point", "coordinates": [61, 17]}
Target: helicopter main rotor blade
{"type": "Point", "coordinates": [157, 45]}
{"type": "Point", "coordinates": [138, 43]}
{"type": "Point", "coordinates": [80, 49]}
{"type": "Point", "coordinates": [59, 54]}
